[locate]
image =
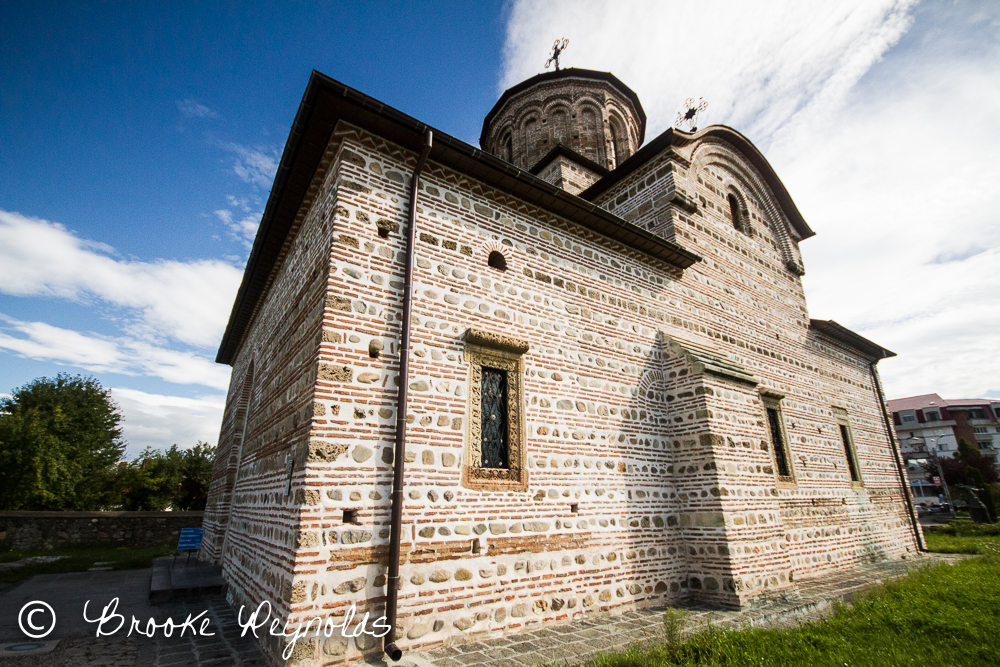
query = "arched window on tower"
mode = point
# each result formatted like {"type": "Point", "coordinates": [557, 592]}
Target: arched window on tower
{"type": "Point", "coordinates": [734, 211]}
{"type": "Point", "coordinates": [613, 157]}
{"type": "Point", "coordinates": [508, 145]}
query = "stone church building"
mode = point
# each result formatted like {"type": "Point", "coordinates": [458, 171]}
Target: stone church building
{"type": "Point", "coordinates": [615, 397]}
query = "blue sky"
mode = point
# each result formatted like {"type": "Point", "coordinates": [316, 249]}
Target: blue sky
{"type": "Point", "coordinates": [138, 142]}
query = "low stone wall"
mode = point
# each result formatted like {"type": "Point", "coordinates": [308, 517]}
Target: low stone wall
{"type": "Point", "coordinates": [48, 530]}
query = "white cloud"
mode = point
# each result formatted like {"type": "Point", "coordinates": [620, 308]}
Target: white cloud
{"type": "Point", "coordinates": [187, 301]}
{"type": "Point", "coordinates": [887, 146]}
{"type": "Point", "coordinates": [243, 229]}
{"type": "Point", "coordinates": [125, 355]}
{"type": "Point", "coordinates": [193, 109]}
{"type": "Point", "coordinates": [254, 165]}
{"type": "Point", "coordinates": [158, 421]}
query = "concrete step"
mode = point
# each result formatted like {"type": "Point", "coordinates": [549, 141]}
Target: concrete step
{"type": "Point", "coordinates": [175, 578]}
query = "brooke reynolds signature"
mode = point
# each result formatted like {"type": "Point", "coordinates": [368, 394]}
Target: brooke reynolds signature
{"type": "Point", "coordinates": [110, 622]}
{"type": "Point", "coordinates": [380, 627]}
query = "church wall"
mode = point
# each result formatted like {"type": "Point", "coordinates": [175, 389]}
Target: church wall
{"type": "Point", "coordinates": [669, 468]}
{"type": "Point", "coordinates": [755, 307]}
{"type": "Point", "coordinates": [498, 561]}
{"type": "Point", "coordinates": [257, 535]}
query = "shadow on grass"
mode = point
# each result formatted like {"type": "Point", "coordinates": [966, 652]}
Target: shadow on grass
{"type": "Point", "coordinates": [79, 558]}
{"type": "Point", "coordinates": [940, 614]}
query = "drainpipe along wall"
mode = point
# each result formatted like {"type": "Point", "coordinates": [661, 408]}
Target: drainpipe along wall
{"type": "Point", "coordinates": [903, 479]}
{"type": "Point", "coordinates": [392, 582]}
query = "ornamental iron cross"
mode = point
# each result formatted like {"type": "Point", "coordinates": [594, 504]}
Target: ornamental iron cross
{"type": "Point", "coordinates": [557, 48]}
{"type": "Point", "coordinates": [689, 115]}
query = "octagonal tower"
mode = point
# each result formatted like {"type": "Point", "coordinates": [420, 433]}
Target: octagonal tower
{"type": "Point", "coordinates": [591, 113]}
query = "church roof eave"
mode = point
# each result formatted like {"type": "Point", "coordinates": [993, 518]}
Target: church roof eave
{"type": "Point", "coordinates": [327, 102]}
{"type": "Point", "coordinates": [674, 137]}
{"type": "Point", "coordinates": [847, 337]}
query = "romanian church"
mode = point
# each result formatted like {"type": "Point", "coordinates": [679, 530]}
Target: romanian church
{"type": "Point", "coordinates": [477, 390]}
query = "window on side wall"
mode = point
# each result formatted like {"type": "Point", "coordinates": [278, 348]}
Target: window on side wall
{"type": "Point", "coordinates": [779, 438]}
{"type": "Point", "coordinates": [847, 441]}
{"type": "Point", "coordinates": [495, 457]}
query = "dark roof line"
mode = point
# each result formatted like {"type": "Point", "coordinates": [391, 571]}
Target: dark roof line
{"type": "Point", "coordinates": [674, 137]}
{"type": "Point", "coordinates": [851, 339]}
{"type": "Point", "coordinates": [569, 72]}
{"type": "Point", "coordinates": [327, 102]}
{"type": "Point", "coordinates": [566, 151]}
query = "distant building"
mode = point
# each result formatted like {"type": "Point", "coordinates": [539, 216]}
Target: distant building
{"type": "Point", "coordinates": [930, 423]}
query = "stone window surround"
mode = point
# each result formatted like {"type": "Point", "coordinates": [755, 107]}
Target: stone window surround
{"type": "Point", "coordinates": [484, 348]}
{"type": "Point", "coordinates": [840, 414]}
{"type": "Point", "coordinates": [772, 399]}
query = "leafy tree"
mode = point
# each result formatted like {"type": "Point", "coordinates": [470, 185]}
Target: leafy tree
{"type": "Point", "coordinates": [175, 478]}
{"type": "Point", "coordinates": [60, 442]}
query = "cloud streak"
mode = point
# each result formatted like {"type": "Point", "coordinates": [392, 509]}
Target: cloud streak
{"type": "Point", "coordinates": [185, 301]}
{"type": "Point", "coordinates": [194, 109]}
{"type": "Point", "coordinates": [102, 354]}
{"type": "Point", "coordinates": [159, 421]}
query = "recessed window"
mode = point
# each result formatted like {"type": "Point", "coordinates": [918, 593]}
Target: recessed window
{"type": "Point", "coordinates": [779, 440]}
{"type": "Point", "coordinates": [908, 418]}
{"type": "Point", "coordinates": [847, 441]}
{"type": "Point", "coordinates": [932, 416]}
{"type": "Point", "coordinates": [613, 161]}
{"type": "Point", "coordinates": [495, 438]}
{"type": "Point", "coordinates": [497, 261]}
{"type": "Point", "coordinates": [509, 148]}
{"type": "Point", "coordinates": [734, 211]}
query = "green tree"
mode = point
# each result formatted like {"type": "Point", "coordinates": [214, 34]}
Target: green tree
{"type": "Point", "coordinates": [60, 443]}
{"type": "Point", "coordinates": [196, 477]}
{"type": "Point", "coordinates": [175, 479]}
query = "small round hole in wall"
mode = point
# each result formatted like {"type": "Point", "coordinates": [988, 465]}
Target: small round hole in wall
{"type": "Point", "coordinates": [497, 261]}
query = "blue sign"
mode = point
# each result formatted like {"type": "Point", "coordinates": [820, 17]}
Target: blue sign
{"type": "Point", "coordinates": [190, 539]}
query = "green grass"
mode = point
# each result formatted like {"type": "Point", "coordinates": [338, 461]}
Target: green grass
{"type": "Point", "coordinates": [937, 615]}
{"type": "Point", "coordinates": [80, 559]}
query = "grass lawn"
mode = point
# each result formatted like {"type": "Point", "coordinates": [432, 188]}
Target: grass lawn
{"type": "Point", "coordinates": [938, 615]}
{"type": "Point", "coordinates": [80, 559]}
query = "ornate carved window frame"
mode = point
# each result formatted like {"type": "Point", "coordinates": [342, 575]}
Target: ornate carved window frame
{"type": "Point", "coordinates": [846, 438]}
{"type": "Point", "coordinates": [486, 349]}
{"type": "Point", "coordinates": [772, 401]}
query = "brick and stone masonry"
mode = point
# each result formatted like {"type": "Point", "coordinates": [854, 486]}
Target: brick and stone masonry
{"type": "Point", "coordinates": [651, 475]}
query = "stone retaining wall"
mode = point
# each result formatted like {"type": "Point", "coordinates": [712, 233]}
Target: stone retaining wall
{"type": "Point", "coordinates": [49, 530]}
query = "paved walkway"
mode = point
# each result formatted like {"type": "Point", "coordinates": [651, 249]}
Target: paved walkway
{"type": "Point", "coordinates": [570, 643]}
{"type": "Point", "coordinates": [78, 646]}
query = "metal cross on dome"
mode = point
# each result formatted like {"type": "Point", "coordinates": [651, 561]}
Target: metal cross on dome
{"type": "Point", "coordinates": [557, 48]}
{"type": "Point", "coordinates": [689, 114]}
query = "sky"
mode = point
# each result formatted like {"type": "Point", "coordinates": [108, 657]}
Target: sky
{"type": "Point", "coordinates": [138, 143]}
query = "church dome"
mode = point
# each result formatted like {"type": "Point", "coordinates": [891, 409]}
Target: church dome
{"type": "Point", "coordinates": [591, 113]}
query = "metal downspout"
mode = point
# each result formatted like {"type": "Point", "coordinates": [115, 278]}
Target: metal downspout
{"type": "Point", "coordinates": [395, 534]}
{"type": "Point", "coordinates": [896, 456]}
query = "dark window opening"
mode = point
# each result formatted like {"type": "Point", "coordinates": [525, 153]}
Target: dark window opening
{"type": "Point", "coordinates": [497, 261]}
{"type": "Point", "coordinates": [852, 465]}
{"type": "Point", "coordinates": [495, 451]}
{"type": "Point", "coordinates": [734, 210]}
{"type": "Point", "coordinates": [351, 516]}
{"type": "Point", "coordinates": [780, 455]}
{"type": "Point", "coordinates": [509, 146]}
{"type": "Point", "coordinates": [613, 161]}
